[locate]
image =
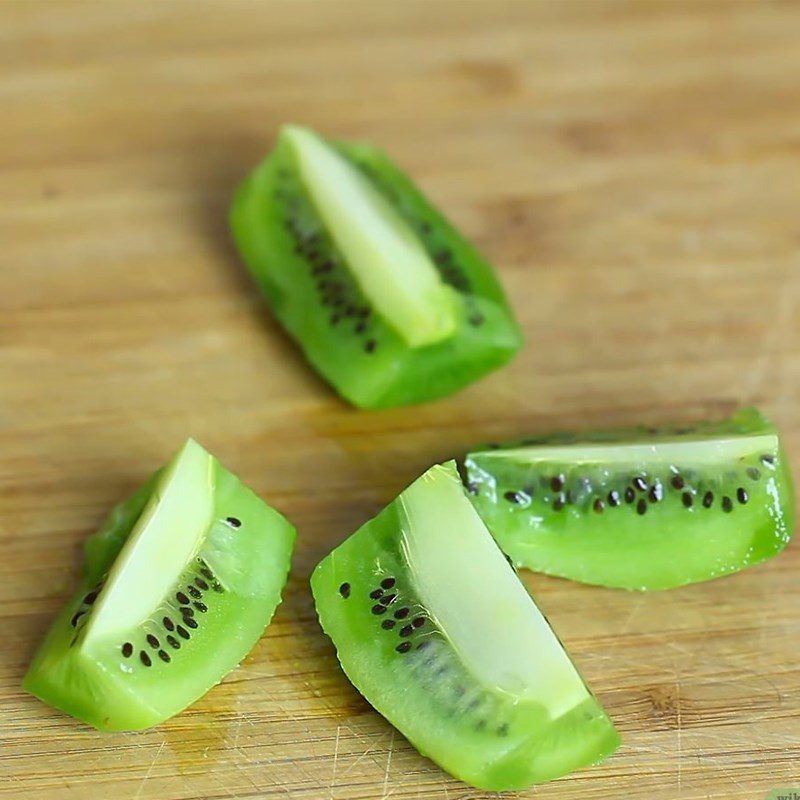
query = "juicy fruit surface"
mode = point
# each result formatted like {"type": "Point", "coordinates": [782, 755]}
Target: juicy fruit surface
{"type": "Point", "coordinates": [324, 301]}
{"type": "Point", "coordinates": [639, 508]}
{"type": "Point", "coordinates": [434, 628]}
{"type": "Point", "coordinates": [215, 608]}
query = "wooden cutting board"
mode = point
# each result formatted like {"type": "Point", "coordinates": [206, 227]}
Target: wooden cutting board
{"type": "Point", "coordinates": [634, 171]}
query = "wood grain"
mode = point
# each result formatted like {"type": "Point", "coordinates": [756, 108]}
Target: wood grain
{"type": "Point", "coordinates": [633, 169]}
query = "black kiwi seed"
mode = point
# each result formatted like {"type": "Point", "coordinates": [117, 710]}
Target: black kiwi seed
{"type": "Point", "coordinates": [168, 624]}
{"type": "Point", "coordinates": [403, 647]}
{"type": "Point", "coordinates": [677, 482]}
{"type": "Point", "coordinates": [375, 594]}
{"type": "Point", "coordinates": [640, 483]}
{"type": "Point", "coordinates": [234, 522]}
{"type": "Point", "coordinates": [559, 502]}
{"type": "Point", "coordinates": [192, 623]}
{"type": "Point", "coordinates": [630, 495]}
{"type": "Point", "coordinates": [656, 493]}
{"type": "Point", "coordinates": [727, 504]}
{"type": "Point", "coordinates": [200, 584]}
{"type": "Point", "coordinates": [201, 607]}
{"type": "Point", "coordinates": [401, 613]}
{"type": "Point", "coordinates": [344, 590]}
{"type": "Point", "coordinates": [182, 632]}
{"type": "Point", "coordinates": [164, 656]}
{"type": "Point", "coordinates": [360, 327]}
{"type": "Point", "coordinates": [387, 583]}
{"type": "Point", "coordinates": [388, 624]}
{"type": "Point", "coordinates": [418, 622]}
{"type": "Point", "coordinates": [708, 499]}
{"type": "Point", "coordinates": [152, 640]}
{"type": "Point", "coordinates": [145, 658]}
{"type": "Point", "coordinates": [613, 498]}
{"type": "Point", "coordinates": [598, 505]}
{"type": "Point", "coordinates": [768, 460]}
{"type": "Point", "coordinates": [557, 483]}
{"type": "Point", "coordinates": [182, 598]}
{"type": "Point", "coordinates": [76, 617]}
{"type": "Point", "coordinates": [476, 319]}
{"type": "Point", "coordinates": [194, 592]}
{"type": "Point", "coordinates": [127, 649]}
{"type": "Point", "coordinates": [187, 612]}
{"type": "Point", "coordinates": [206, 572]}
{"type": "Point", "coordinates": [217, 587]}
{"type": "Point", "coordinates": [513, 497]}
{"type": "Point", "coordinates": [378, 609]}
{"type": "Point", "coordinates": [387, 599]}
{"type": "Point", "coordinates": [741, 495]}
{"type": "Point", "coordinates": [753, 473]}
{"type": "Point", "coordinates": [406, 630]}
{"type": "Point", "coordinates": [173, 642]}
{"type": "Point", "coordinates": [90, 598]}
{"type": "Point", "coordinates": [370, 345]}
{"type": "Point", "coordinates": [687, 499]}
{"type": "Point", "coordinates": [641, 506]}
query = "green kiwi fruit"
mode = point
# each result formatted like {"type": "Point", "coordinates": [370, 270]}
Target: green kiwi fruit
{"type": "Point", "coordinates": [433, 626]}
{"type": "Point", "coordinates": [639, 508]}
{"type": "Point", "coordinates": [178, 586]}
{"type": "Point", "coordinates": [386, 298]}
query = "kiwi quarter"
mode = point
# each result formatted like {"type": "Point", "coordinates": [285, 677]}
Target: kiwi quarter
{"type": "Point", "coordinates": [435, 629]}
{"type": "Point", "coordinates": [639, 508]}
{"type": "Point", "coordinates": [386, 298]}
{"type": "Point", "coordinates": [178, 586]}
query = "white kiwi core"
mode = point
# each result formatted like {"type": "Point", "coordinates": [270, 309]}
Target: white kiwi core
{"type": "Point", "coordinates": [478, 601]}
{"type": "Point", "coordinates": [166, 536]}
{"type": "Point", "coordinates": [384, 254]}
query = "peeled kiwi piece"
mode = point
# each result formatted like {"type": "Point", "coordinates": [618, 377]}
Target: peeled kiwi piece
{"type": "Point", "coordinates": [178, 586]}
{"type": "Point", "coordinates": [433, 626]}
{"type": "Point", "coordinates": [639, 508]}
{"type": "Point", "coordinates": [386, 298]}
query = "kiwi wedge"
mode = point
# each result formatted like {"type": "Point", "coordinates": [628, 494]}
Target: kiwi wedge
{"type": "Point", "coordinates": [387, 300]}
{"type": "Point", "coordinates": [639, 508]}
{"type": "Point", "coordinates": [433, 626]}
{"type": "Point", "coordinates": [178, 586]}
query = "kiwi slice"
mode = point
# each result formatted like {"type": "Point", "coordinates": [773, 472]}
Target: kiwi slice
{"type": "Point", "coordinates": [385, 297]}
{"type": "Point", "coordinates": [178, 586]}
{"type": "Point", "coordinates": [435, 629]}
{"type": "Point", "coordinates": [639, 508]}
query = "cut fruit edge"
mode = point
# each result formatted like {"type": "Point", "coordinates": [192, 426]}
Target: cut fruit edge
{"type": "Point", "coordinates": [691, 451]}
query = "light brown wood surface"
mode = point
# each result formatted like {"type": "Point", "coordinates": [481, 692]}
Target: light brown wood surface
{"type": "Point", "coordinates": [634, 171]}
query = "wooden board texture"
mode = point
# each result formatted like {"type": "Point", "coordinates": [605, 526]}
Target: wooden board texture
{"type": "Point", "coordinates": [634, 171]}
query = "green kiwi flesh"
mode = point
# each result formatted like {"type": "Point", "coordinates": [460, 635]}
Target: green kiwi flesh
{"type": "Point", "coordinates": [178, 585]}
{"type": "Point", "coordinates": [386, 298]}
{"type": "Point", "coordinates": [434, 628]}
{"type": "Point", "coordinates": [639, 508]}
